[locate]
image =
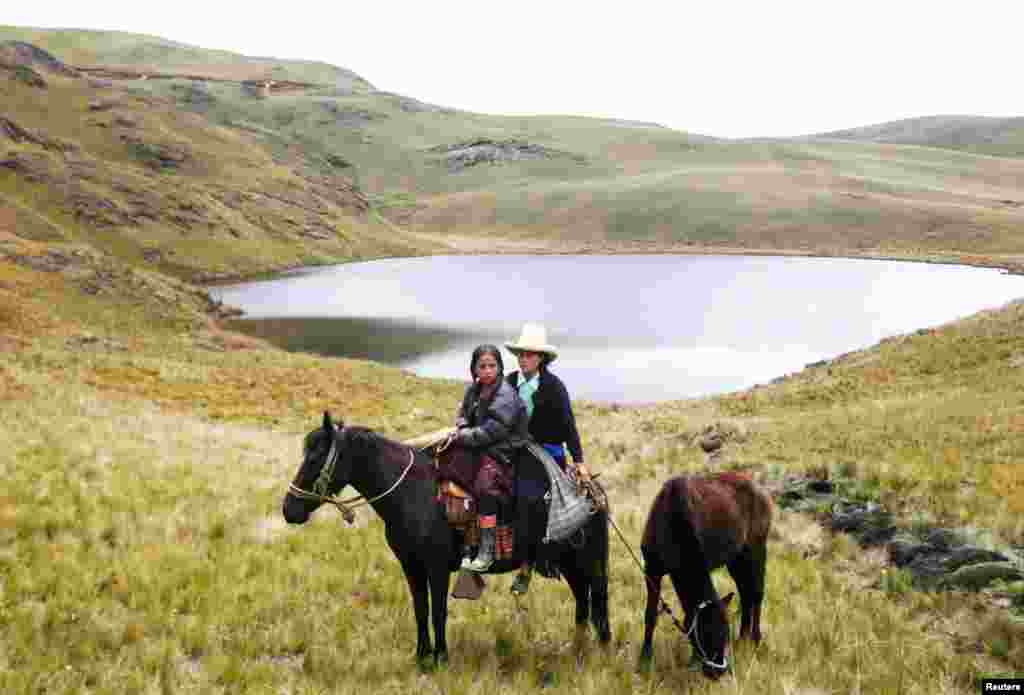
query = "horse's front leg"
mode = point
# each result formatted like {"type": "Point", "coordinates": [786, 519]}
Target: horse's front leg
{"type": "Point", "coordinates": [650, 618]}
{"type": "Point", "coordinates": [439, 578]}
{"type": "Point", "coordinates": [742, 570]}
{"type": "Point", "coordinates": [599, 608]}
{"type": "Point", "coordinates": [759, 556]}
{"type": "Point", "coordinates": [416, 575]}
{"type": "Point", "coordinates": [580, 585]}
{"type": "Point", "coordinates": [598, 552]}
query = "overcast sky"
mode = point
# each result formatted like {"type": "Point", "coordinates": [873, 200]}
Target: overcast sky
{"type": "Point", "coordinates": [719, 67]}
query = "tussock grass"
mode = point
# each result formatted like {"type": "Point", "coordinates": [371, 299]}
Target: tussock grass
{"type": "Point", "coordinates": [142, 550]}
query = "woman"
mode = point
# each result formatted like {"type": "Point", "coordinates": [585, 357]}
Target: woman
{"type": "Point", "coordinates": [548, 407]}
{"type": "Point", "coordinates": [492, 424]}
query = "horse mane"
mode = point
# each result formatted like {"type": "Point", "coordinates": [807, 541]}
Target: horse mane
{"type": "Point", "coordinates": [670, 522]}
{"type": "Point", "coordinates": [365, 444]}
{"type": "Point", "coordinates": [362, 437]}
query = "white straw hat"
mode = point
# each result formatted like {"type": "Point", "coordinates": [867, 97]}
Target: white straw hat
{"type": "Point", "coordinates": [534, 338]}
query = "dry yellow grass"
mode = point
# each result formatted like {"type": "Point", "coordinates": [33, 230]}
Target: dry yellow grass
{"type": "Point", "coordinates": [142, 548]}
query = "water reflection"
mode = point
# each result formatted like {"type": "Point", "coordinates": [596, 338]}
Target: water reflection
{"type": "Point", "coordinates": [629, 328]}
{"type": "Point", "coordinates": [384, 340]}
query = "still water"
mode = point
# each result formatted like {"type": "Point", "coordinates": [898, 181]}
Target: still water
{"type": "Point", "coordinates": [628, 328]}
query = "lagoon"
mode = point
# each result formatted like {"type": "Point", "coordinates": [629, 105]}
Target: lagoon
{"type": "Point", "coordinates": [629, 328]}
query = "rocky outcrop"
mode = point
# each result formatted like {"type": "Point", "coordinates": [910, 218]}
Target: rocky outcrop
{"type": "Point", "coordinates": [462, 155]}
{"type": "Point", "coordinates": [935, 557]}
{"type": "Point", "coordinates": [10, 130]}
{"type": "Point", "coordinates": [19, 53]}
{"type": "Point", "coordinates": [410, 105]}
{"type": "Point", "coordinates": [156, 155]}
{"type": "Point", "coordinates": [23, 74]}
{"type": "Point", "coordinates": [194, 95]}
{"type": "Point", "coordinates": [345, 116]}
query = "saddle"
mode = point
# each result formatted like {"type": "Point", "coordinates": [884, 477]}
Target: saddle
{"type": "Point", "coordinates": [459, 505]}
{"type": "Point", "coordinates": [461, 509]}
{"type": "Point", "coordinates": [567, 503]}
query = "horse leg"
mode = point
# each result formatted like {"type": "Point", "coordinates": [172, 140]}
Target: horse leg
{"type": "Point", "coordinates": [597, 547]}
{"type": "Point", "coordinates": [759, 560]}
{"type": "Point", "coordinates": [679, 584]}
{"type": "Point", "coordinates": [599, 608]}
{"type": "Point", "coordinates": [439, 605]}
{"type": "Point", "coordinates": [417, 578]}
{"type": "Point", "coordinates": [580, 586]}
{"type": "Point", "coordinates": [650, 618]}
{"type": "Point", "coordinates": [741, 568]}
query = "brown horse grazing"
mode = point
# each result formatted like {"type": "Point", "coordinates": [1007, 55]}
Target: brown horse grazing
{"type": "Point", "coordinates": [696, 525]}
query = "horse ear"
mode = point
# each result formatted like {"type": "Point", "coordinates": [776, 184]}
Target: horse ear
{"type": "Point", "coordinates": [328, 425]}
{"type": "Point", "coordinates": [727, 599]}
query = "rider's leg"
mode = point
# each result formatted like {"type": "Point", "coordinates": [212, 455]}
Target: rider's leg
{"type": "Point", "coordinates": [521, 585]}
{"type": "Point", "coordinates": [488, 506]}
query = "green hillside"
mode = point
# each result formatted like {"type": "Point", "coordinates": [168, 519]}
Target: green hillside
{"type": "Point", "coordinates": [464, 180]}
{"type": "Point", "coordinates": [85, 48]}
{"type": "Point", "coordinates": [1003, 137]}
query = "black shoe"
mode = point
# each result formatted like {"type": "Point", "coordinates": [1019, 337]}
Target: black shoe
{"type": "Point", "coordinates": [522, 584]}
{"type": "Point", "coordinates": [485, 555]}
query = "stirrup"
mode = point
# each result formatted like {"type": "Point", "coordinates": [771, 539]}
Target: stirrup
{"type": "Point", "coordinates": [477, 565]}
{"type": "Point", "coordinates": [522, 584]}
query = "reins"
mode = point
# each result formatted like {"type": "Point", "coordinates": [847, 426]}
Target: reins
{"type": "Point", "coordinates": [346, 507]}
{"type": "Point", "coordinates": [665, 608]}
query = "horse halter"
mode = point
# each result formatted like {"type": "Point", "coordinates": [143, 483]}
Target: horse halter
{"type": "Point", "coordinates": [323, 481]}
{"type": "Point", "coordinates": [692, 632]}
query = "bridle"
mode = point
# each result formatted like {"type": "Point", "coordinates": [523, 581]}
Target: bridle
{"type": "Point", "coordinates": [692, 632]}
{"type": "Point", "coordinates": [665, 608]}
{"type": "Point", "coordinates": [323, 481]}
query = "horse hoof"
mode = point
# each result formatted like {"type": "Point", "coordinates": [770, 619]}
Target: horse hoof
{"type": "Point", "coordinates": [425, 663]}
{"type": "Point", "coordinates": [521, 585]}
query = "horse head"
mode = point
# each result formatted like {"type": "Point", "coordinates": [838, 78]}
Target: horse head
{"type": "Point", "coordinates": [710, 631]}
{"type": "Point", "coordinates": [322, 474]}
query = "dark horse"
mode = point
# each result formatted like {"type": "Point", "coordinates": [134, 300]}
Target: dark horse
{"type": "Point", "coordinates": [401, 485]}
{"type": "Point", "coordinates": [695, 526]}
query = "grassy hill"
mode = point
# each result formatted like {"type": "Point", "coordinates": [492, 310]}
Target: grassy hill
{"type": "Point", "coordinates": [464, 181]}
{"type": "Point", "coordinates": [86, 48]}
{"type": "Point", "coordinates": [1002, 137]}
{"type": "Point", "coordinates": [145, 450]}
{"type": "Point", "coordinates": [137, 177]}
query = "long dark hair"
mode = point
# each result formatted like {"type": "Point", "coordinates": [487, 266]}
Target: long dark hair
{"type": "Point", "coordinates": [480, 351]}
{"type": "Point", "coordinates": [482, 393]}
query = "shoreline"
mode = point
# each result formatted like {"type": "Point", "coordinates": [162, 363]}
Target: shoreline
{"type": "Point", "coordinates": [1012, 264]}
{"type": "Point", "coordinates": [1006, 267]}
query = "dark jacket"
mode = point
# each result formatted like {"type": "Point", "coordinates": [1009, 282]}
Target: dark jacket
{"type": "Point", "coordinates": [496, 425]}
{"type": "Point", "coordinates": [552, 421]}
